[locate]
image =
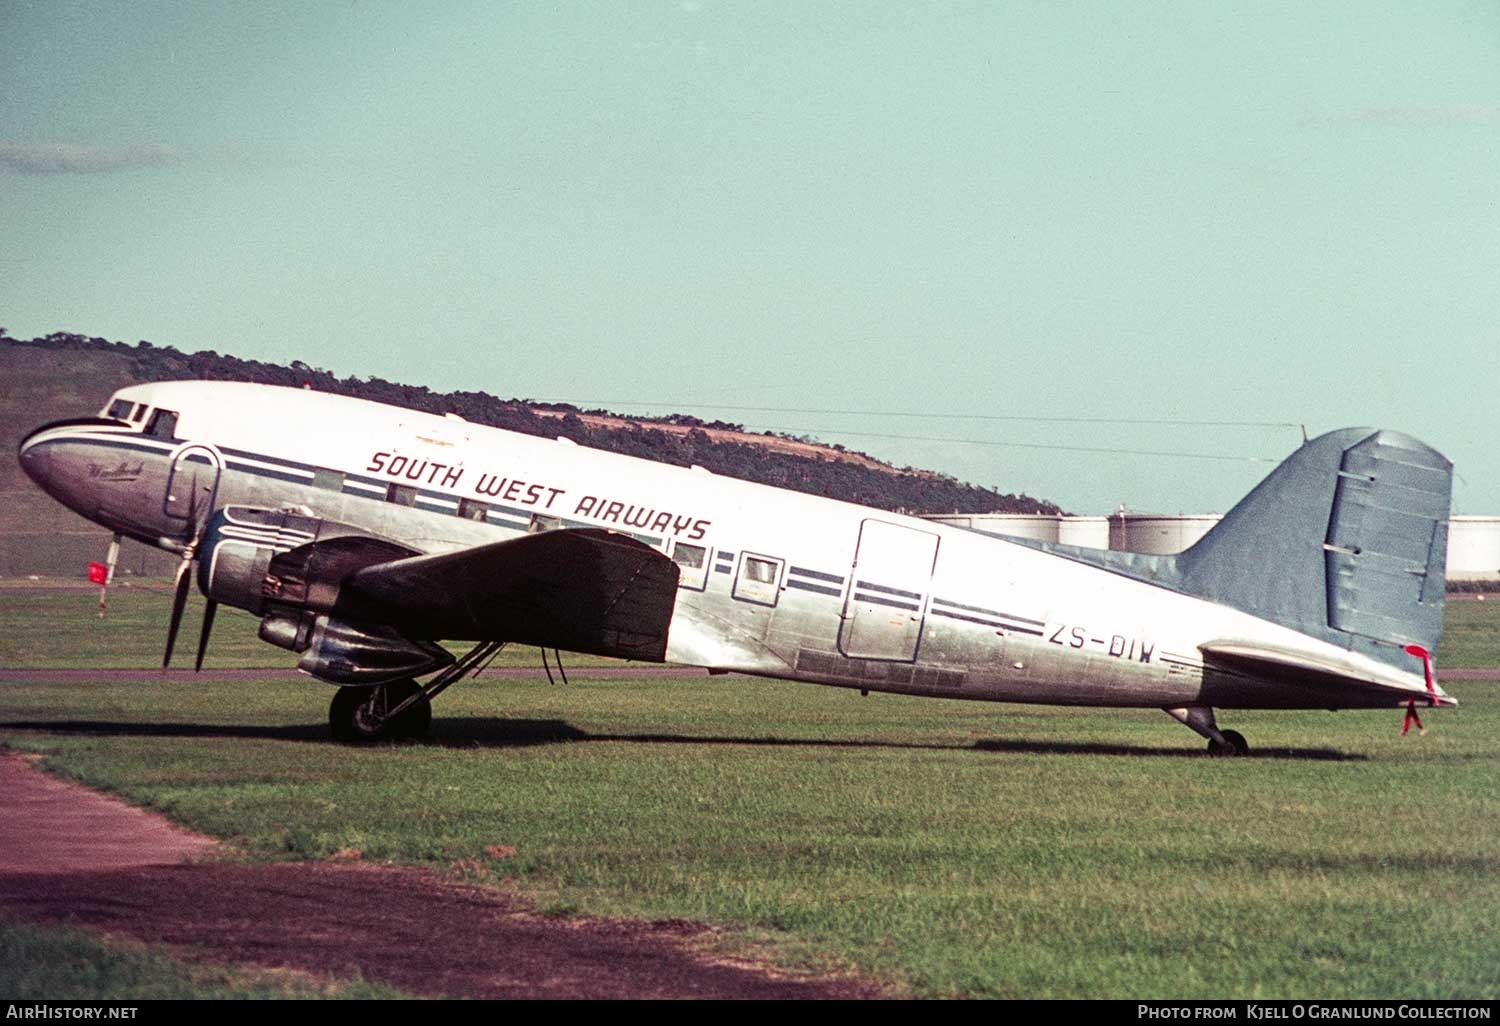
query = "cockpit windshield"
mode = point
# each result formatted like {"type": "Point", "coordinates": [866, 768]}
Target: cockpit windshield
{"type": "Point", "coordinates": [163, 424]}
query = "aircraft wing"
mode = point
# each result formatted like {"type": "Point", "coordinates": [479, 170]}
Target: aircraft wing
{"type": "Point", "coordinates": [583, 590]}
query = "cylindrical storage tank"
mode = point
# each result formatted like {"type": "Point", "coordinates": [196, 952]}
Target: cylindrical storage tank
{"type": "Point", "coordinates": [1158, 534]}
{"type": "Point", "coordinates": [1473, 548]}
{"type": "Point", "coordinates": [1040, 526]}
{"type": "Point", "coordinates": [1085, 532]}
{"type": "Point", "coordinates": [951, 519]}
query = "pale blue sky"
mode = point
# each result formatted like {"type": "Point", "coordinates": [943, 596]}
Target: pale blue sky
{"type": "Point", "coordinates": [1273, 212]}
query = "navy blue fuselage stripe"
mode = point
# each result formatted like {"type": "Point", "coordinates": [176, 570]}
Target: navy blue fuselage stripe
{"type": "Point", "coordinates": [287, 472]}
{"type": "Point", "coordinates": [817, 575]}
{"type": "Point", "coordinates": [989, 612]}
{"type": "Point", "coordinates": [986, 618]}
{"type": "Point", "coordinates": [102, 443]}
{"type": "Point", "coordinates": [890, 591]}
{"type": "Point", "coordinates": [986, 623]}
{"type": "Point", "coordinates": [820, 589]}
{"type": "Point", "coordinates": [265, 472]}
{"type": "Point", "coordinates": [881, 600]}
{"type": "Point", "coordinates": [289, 464]}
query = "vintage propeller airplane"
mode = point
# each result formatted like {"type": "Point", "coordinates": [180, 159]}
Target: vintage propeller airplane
{"type": "Point", "coordinates": [362, 534]}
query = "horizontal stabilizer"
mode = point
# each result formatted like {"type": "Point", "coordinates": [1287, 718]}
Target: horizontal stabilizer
{"type": "Point", "coordinates": [582, 590]}
{"type": "Point", "coordinates": [1327, 671]}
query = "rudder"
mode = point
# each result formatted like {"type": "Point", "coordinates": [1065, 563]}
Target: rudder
{"type": "Point", "coordinates": [1346, 541]}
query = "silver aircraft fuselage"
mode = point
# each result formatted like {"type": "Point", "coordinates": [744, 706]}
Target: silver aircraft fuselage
{"type": "Point", "coordinates": [773, 582]}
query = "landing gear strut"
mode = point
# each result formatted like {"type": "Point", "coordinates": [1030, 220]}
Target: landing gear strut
{"type": "Point", "coordinates": [1200, 718]}
{"type": "Point", "coordinates": [400, 709]}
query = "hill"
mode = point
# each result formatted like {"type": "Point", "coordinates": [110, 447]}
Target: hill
{"type": "Point", "coordinates": [65, 375]}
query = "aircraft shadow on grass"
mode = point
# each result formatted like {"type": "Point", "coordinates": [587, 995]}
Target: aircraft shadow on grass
{"type": "Point", "coordinates": [497, 732]}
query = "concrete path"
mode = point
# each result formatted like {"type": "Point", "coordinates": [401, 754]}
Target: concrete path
{"type": "Point", "coordinates": [51, 826]}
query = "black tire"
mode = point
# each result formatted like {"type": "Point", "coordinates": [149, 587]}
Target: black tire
{"type": "Point", "coordinates": [1235, 745]}
{"type": "Point", "coordinates": [355, 714]}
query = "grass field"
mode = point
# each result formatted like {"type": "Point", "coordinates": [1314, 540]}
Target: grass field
{"type": "Point", "coordinates": [58, 627]}
{"type": "Point", "coordinates": [1471, 633]}
{"type": "Point", "coordinates": [59, 964]}
{"type": "Point", "coordinates": [946, 848]}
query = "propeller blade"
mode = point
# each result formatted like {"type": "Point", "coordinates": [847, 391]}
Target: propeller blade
{"type": "Point", "coordinates": [179, 600]}
{"type": "Point", "coordinates": [208, 625]}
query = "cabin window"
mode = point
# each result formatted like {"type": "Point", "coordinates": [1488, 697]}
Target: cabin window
{"type": "Point", "coordinates": [472, 509]}
{"type": "Point", "coordinates": [401, 495]}
{"type": "Point", "coordinates": [542, 522]}
{"type": "Point", "coordinates": [120, 409]}
{"type": "Point", "coordinates": [328, 480]}
{"type": "Point", "coordinates": [761, 571]}
{"type": "Point", "coordinates": [163, 424]}
{"type": "Point", "coordinates": [692, 565]}
{"type": "Point", "coordinates": [758, 579]}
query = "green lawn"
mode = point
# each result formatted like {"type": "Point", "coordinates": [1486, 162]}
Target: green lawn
{"type": "Point", "coordinates": [949, 848]}
{"type": "Point", "coordinates": [58, 964]}
{"type": "Point", "coordinates": [59, 627]}
{"type": "Point", "coordinates": [1471, 634]}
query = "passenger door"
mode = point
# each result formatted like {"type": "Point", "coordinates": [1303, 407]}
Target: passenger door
{"type": "Point", "coordinates": [887, 603]}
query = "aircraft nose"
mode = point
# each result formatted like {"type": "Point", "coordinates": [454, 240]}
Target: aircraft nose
{"type": "Point", "coordinates": [35, 459]}
{"type": "Point", "coordinates": [56, 456]}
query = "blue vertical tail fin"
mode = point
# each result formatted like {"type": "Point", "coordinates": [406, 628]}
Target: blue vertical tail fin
{"type": "Point", "coordinates": [1346, 541]}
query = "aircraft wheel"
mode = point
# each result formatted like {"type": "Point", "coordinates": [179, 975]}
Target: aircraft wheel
{"type": "Point", "coordinates": [1236, 745]}
{"type": "Point", "coordinates": [357, 714]}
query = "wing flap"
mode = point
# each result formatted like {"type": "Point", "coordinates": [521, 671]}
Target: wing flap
{"type": "Point", "coordinates": [583, 590]}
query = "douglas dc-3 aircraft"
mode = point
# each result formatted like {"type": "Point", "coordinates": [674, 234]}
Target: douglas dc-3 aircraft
{"type": "Point", "coordinates": [362, 534]}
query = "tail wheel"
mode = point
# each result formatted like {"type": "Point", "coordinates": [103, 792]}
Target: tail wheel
{"type": "Point", "coordinates": [1235, 744]}
{"type": "Point", "coordinates": [360, 714]}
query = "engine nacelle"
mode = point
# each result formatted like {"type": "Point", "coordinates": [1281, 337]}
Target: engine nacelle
{"type": "Point", "coordinates": [349, 653]}
{"type": "Point", "coordinates": [287, 568]}
{"type": "Point", "coordinates": [257, 559]}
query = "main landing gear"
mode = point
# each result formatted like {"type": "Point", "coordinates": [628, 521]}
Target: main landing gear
{"type": "Point", "coordinates": [400, 709]}
{"type": "Point", "coordinates": [369, 714]}
{"type": "Point", "coordinates": [1200, 718]}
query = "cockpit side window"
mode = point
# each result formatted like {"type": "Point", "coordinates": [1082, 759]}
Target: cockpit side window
{"type": "Point", "coordinates": [163, 424]}
{"type": "Point", "coordinates": [120, 409]}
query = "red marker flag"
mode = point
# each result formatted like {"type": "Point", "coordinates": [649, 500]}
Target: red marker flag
{"type": "Point", "coordinates": [98, 573]}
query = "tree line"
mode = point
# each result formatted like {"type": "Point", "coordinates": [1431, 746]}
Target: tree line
{"type": "Point", "coordinates": [893, 489]}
